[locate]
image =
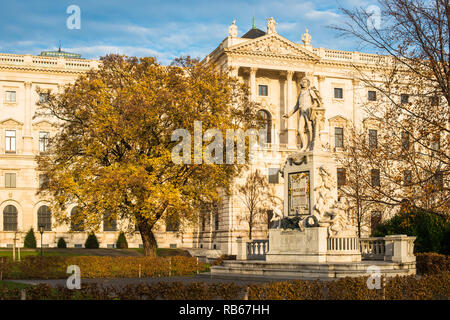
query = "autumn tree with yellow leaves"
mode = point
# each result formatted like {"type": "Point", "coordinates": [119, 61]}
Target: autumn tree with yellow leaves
{"type": "Point", "coordinates": [112, 154]}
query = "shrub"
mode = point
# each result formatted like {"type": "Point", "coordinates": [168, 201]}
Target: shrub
{"type": "Point", "coordinates": [30, 240]}
{"type": "Point", "coordinates": [91, 242]}
{"type": "Point", "coordinates": [434, 286]}
{"type": "Point", "coordinates": [36, 267]}
{"type": "Point", "coordinates": [122, 241]}
{"type": "Point", "coordinates": [430, 229]}
{"type": "Point", "coordinates": [432, 263]}
{"type": "Point", "coordinates": [62, 243]}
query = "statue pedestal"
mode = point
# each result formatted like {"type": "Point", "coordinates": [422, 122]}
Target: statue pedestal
{"type": "Point", "coordinates": [310, 193]}
{"type": "Point", "coordinates": [311, 245]}
{"type": "Point", "coordinates": [308, 163]}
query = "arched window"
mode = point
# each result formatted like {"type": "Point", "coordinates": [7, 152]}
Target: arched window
{"type": "Point", "coordinates": [267, 118]}
{"type": "Point", "coordinates": [45, 218]}
{"type": "Point", "coordinates": [109, 224]}
{"type": "Point", "coordinates": [76, 220]}
{"type": "Point", "coordinates": [10, 218]}
{"type": "Point", "coordinates": [172, 224]}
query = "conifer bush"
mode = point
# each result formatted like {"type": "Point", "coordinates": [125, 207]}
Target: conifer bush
{"type": "Point", "coordinates": [122, 241]}
{"type": "Point", "coordinates": [91, 242]}
{"type": "Point", "coordinates": [30, 240]}
{"type": "Point", "coordinates": [62, 243]}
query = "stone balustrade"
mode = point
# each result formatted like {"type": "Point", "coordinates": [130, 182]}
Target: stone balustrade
{"type": "Point", "coordinates": [342, 243]}
{"type": "Point", "coordinates": [372, 248]}
{"type": "Point", "coordinates": [252, 250]}
{"type": "Point", "coordinates": [70, 64]}
{"type": "Point", "coordinates": [395, 248]}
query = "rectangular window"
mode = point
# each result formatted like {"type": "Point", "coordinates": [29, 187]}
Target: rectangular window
{"type": "Point", "coordinates": [407, 177]}
{"type": "Point", "coordinates": [43, 97]}
{"type": "Point", "coordinates": [405, 140]}
{"type": "Point", "coordinates": [372, 95]}
{"type": "Point", "coordinates": [434, 101]}
{"type": "Point", "coordinates": [373, 138]}
{"type": "Point", "coordinates": [109, 224]}
{"type": "Point", "coordinates": [43, 181]}
{"type": "Point", "coordinates": [375, 219]}
{"type": "Point", "coordinates": [10, 143]}
{"type": "Point", "coordinates": [263, 90]}
{"type": "Point", "coordinates": [436, 142]}
{"type": "Point", "coordinates": [404, 98]}
{"type": "Point", "coordinates": [341, 177]}
{"type": "Point", "coordinates": [10, 96]}
{"type": "Point", "coordinates": [273, 175]}
{"type": "Point", "coordinates": [43, 141]}
{"type": "Point", "coordinates": [10, 180]}
{"type": "Point", "coordinates": [216, 221]}
{"type": "Point", "coordinates": [172, 224]}
{"type": "Point", "coordinates": [439, 180]}
{"type": "Point", "coordinates": [338, 93]}
{"type": "Point", "coordinates": [375, 177]}
{"type": "Point", "coordinates": [339, 137]}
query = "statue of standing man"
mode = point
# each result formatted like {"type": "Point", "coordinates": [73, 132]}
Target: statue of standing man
{"type": "Point", "coordinates": [308, 99]}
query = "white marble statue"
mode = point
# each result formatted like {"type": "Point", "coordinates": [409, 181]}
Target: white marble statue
{"type": "Point", "coordinates": [306, 38]}
{"type": "Point", "coordinates": [308, 99]}
{"type": "Point", "coordinates": [328, 211]}
{"type": "Point", "coordinates": [271, 26]}
{"type": "Point", "coordinates": [276, 218]}
{"type": "Point", "coordinates": [233, 29]}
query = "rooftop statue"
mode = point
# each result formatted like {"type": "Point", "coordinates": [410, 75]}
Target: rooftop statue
{"type": "Point", "coordinates": [271, 25]}
{"type": "Point", "coordinates": [233, 29]}
{"type": "Point", "coordinates": [306, 37]}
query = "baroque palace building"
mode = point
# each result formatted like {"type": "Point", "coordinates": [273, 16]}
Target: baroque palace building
{"type": "Point", "coordinates": [270, 64]}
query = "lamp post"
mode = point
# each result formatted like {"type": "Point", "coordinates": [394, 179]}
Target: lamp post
{"type": "Point", "coordinates": [41, 230]}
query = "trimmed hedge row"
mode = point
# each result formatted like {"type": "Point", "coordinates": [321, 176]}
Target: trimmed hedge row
{"type": "Point", "coordinates": [35, 267]}
{"type": "Point", "coordinates": [399, 288]}
{"type": "Point", "coordinates": [431, 263]}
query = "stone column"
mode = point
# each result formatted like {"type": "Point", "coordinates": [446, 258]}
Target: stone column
{"type": "Point", "coordinates": [241, 249]}
{"type": "Point", "coordinates": [252, 83]}
{"type": "Point", "coordinates": [401, 248]}
{"type": "Point", "coordinates": [27, 133]}
{"type": "Point", "coordinates": [355, 83]}
{"type": "Point", "coordinates": [290, 103]}
{"type": "Point", "coordinates": [234, 71]}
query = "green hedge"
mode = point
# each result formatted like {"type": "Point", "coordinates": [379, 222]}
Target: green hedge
{"type": "Point", "coordinates": [398, 288]}
{"type": "Point", "coordinates": [431, 229]}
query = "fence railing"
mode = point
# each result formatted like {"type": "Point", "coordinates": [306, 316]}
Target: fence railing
{"type": "Point", "coordinates": [372, 248]}
{"type": "Point", "coordinates": [342, 244]}
{"type": "Point", "coordinates": [257, 249]}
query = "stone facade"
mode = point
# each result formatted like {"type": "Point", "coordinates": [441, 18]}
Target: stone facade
{"type": "Point", "coordinates": [270, 64]}
{"type": "Point", "coordinates": [273, 68]}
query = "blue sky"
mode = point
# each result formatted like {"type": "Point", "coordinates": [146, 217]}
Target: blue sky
{"type": "Point", "coordinates": [165, 29]}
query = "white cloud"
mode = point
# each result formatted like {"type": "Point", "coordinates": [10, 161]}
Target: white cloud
{"type": "Point", "coordinates": [321, 15]}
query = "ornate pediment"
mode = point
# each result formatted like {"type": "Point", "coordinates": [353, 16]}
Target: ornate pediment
{"type": "Point", "coordinates": [273, 44]}
{"type": "Point", "coordinates": [10, 123]}
{"type": "Point", "coordinates": [338, 120]}
{"type": "Point", "coordinates": [43, 124]}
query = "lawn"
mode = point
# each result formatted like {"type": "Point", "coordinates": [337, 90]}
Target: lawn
{"type": "Point", "coordinates": [14, 285]}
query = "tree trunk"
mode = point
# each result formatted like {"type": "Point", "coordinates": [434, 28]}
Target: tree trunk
{"type": "Point", "coordinates": [148, 239]}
